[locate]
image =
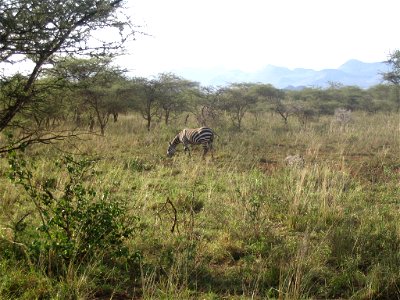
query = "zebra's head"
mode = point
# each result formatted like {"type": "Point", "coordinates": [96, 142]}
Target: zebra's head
{"type": "Point", "coordinates": [171, 150]}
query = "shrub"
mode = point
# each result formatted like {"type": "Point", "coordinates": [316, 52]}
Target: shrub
{"type": "Point", "coordinates": [77, 222]}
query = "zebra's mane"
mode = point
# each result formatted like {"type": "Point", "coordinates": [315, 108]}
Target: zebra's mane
{"type": "Point", "coordinates": [176, 140]}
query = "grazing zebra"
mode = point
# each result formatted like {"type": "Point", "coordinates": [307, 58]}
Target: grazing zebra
{"type": "Point", "coordinates": [197, 136]}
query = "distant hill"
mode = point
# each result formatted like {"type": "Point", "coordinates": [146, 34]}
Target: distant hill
{"type": "Point", "coordinates": [353, 72]}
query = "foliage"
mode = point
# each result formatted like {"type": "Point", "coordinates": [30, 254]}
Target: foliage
{"type": "Point", "coordinates": [95, 87]}
{"type": "Point", "coordinates": [76, 221]}
{"type": "Point", "coordinates": [160, 97]}
{"type": "Point", "coordinates": [245, 224]}
{"type": "Point", "coordinates": [61, 26]}
{"type": "Point", "coordinates": [393, 76]}
{"type": "Point", "coordinates": [145, 94]}
{"type": "Point", "coordinates": [237, 100]}
{"type": "Point", "coordinates": [35, 30]}
{"type": "Point", "coordinates": [205, 104]}
{"type": "Point", "coordinates": [172, 94]}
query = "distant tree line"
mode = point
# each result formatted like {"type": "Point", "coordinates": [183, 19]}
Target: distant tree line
{"type": "Point", "coordinates": [74, 86]}
{"type": "Point", "coordinates": [87, 93]}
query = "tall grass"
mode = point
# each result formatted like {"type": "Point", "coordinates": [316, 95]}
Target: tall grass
{"type": "Point", "coordinates": [242, 225]}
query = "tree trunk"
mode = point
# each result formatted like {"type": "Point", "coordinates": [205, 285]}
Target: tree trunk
{"type": "Point", "coordinates": [115, 116]}
{"type": "Point", "coordinates": [148, 122]}
{"type": "Point", "coordinates": [397, 95]}
{"type": "Point", "coordinates": [166, 116]}
{"type": "Point", "coordinates": [91, 124]}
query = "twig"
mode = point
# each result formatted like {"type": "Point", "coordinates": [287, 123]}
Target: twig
{"type": "Point", "coordinates": [175, 216]}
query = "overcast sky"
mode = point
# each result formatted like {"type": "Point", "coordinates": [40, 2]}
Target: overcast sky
{"type": "Point", "coordinates": [250, 34]}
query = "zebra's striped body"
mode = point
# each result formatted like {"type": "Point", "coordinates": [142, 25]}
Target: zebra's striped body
{"type": "Point", "coordinates": [196, 136]}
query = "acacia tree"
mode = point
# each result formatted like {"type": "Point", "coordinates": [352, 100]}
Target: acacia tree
{"type": "Point", "coordinates": [284, 108]}
{"type": "Point", "coordinates": [380, 95]}
{"type": "Point", "coordinates": [238, 99]}
{"type": "Point", "coordinates": [144, 95]}
{"type": "Point", "coordinates": [171, 93]}
{"type": "Point", "coordinates": [267, 94]}
{"type": "Point", "coordinates": [393, 76]}
{"type": "Point", "coordinates": [95, 83]}
{"type": "Point", "coordinates": [208, 107]}
{"type": "Point", "coordinates": [50, 108]}
{"type": "Point", "coordinates": [34, 31]}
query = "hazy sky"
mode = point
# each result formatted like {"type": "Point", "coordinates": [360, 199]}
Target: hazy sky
{"type": "Point", "coordinates": [249, 34]}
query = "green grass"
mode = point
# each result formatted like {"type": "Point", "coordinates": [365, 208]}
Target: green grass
{"type": "Point", "coordinates": [241, 226]}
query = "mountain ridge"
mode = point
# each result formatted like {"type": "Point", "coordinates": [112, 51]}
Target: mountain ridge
{"type": "Point", "coordinates": [353, 72]}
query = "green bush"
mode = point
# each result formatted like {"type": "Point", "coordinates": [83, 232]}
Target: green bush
{"type": "Point", "coordinates": [77, 222]}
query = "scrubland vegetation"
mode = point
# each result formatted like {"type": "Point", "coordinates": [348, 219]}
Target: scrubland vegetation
{"type": "Point", "coordinates": [91, 207]}
{"type": "Point", "coordinates": [243, 225]}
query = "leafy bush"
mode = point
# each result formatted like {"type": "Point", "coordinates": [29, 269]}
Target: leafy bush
{"type": "Point", "coordinates": [76, 221]}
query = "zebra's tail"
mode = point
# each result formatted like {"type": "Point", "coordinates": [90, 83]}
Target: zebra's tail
{"type": "Point", "coordinates": [215, 133]}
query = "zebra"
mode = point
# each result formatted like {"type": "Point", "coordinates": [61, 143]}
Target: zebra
{"type": "Point", "coordinates": [196, 136]}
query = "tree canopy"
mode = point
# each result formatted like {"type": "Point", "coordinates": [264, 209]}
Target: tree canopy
{"type": "Point", "coordinates": [34, 32]}
{"type": "Point", "coordinates": [393, 75]}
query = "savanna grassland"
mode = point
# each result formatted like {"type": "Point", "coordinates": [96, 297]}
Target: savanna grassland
{"type": "Point", "coordinates": [243, 225]}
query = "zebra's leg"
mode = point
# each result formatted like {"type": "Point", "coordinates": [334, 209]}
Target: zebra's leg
{"type": "Point", "coordinates": [205, 147]}
{"type": "Point", "coordinates": [186, 148]}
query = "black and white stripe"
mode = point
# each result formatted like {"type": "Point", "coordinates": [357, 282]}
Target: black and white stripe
{"type": "Point", "coordinates": [196, 136]}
